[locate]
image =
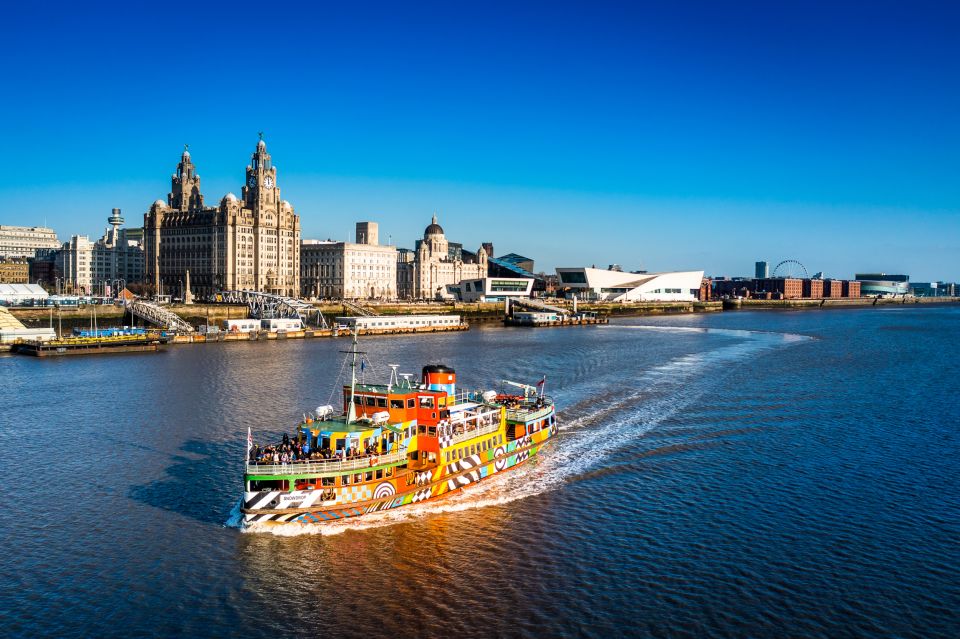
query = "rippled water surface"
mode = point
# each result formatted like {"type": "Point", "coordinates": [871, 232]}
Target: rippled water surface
{"type": "Point", "coordinates": [746, 474]}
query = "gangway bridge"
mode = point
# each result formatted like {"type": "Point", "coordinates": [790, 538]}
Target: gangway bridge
{"type": "Point", "coordinates": [269, 306]}
{"type": "Point", "coordinates": [155, 314]}
{"type": "Point", "coordinates": [356, 309]}
{"type": "Point", "coordinates": [536, 305]}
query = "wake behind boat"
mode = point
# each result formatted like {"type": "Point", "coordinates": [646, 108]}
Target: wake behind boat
{"type": "Point", "coordinates": [394, 444]}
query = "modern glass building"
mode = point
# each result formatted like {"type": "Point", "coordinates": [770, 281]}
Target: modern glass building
{"type": "Point", "coordinates": [882, 284]}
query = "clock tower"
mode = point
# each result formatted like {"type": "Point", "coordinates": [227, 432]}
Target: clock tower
{"type": "Point", "coordinates": [260, 192]}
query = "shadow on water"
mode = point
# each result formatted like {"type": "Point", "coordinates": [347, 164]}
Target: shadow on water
{"type": "Point", "coordinates": [202, 483]}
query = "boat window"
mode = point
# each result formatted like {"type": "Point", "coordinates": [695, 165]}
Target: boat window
{"type": "Point", "coordinates": [421, 429]}
{"type": "Point", "coordinates": [357, 478]}
{"type": "Point", "coordinates": [380, 474]}
{"type": "Point", "coordinates": [426, 402]}
{"type": "Point", "coordinates": [432, 431]}
{"type": "Point", "coordinates": [411, 403]}
{"type": "Point", "coordinates": [396, 403]}
{"type": "Point", "coordinates": [371, 401]}
{"type": "Point", "coordinates": [382, 402]}
{"type": "Point", "coordinates": [369, 476]}
{"type": "Point", "coordinates": [327, 481]}
{"type": "Point", "coordinates": [390, 472]}
{"type": "Point", "coordinates": [345, 480]}
{"type": "Point", "coordinates": [358, 400]}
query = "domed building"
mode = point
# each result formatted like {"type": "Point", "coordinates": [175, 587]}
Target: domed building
{"type": "Point", "coordinates": [435, 264]}
{"type": "Point", "coordinates": [251, 242]}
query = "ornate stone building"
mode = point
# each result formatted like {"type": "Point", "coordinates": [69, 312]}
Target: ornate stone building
{"type": "Point", "coordinates": [248, 243]}
{"type": "Point", "coordinates": [434, 266]}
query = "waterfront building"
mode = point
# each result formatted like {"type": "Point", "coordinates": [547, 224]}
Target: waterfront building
{"type": "Point", "coordinates": [14, 270]}
{"type": "Point", "coordinates": [761, 270]}
{"type": "Point", "coordinates": [882, 284]}
{"type": "Point", "coordinates": [118, 255]}
{"type": "Point", "coordinates": [786, 288]}
{"type": "Point", "coordinates": [435, 265]}
{"type": "Point", "coordinates": [851, 288]}
{"type": "Point", "coordinates": [75, 262]}
{"type": "Point", "coordinates": [813, 288]}
{"type": "Point", "coordinates": [23, 241]}
{"type": "Point", "coordinates": [493, 289]}
{"type": "Point", "coordinates": [933, 289]}
{"type": "Point", "coordinates": [251, 242]}
{"type": "Point", "coordinates": [349, 270]}
{"type": "Point", "coordinates": [513, 265]}
{"type": "Point", "coordinates": [617, 286]}
{"type": "Point", "coordinates": [832, 288]}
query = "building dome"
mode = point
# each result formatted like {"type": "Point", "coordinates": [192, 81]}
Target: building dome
{"type": "Point", "coordinates": [159, 203]}
{"type": "Point", "coordinates": [230, 197]}
{"type": "Point", "coordinates": [186, 155]}
{"type": "Point", "coordinates": [433, 229]}
{"type": "Point", "coordinates": [261, 144]}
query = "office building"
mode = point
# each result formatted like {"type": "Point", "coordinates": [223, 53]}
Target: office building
{"type": "Point", "coordinates": [349, 270]}
{"type": "Point", "coordinates": [761, 270]}
{"type": "Point", "coordinates": [75, 263]}
{"type": "Point", "coordinates": [23, 241]}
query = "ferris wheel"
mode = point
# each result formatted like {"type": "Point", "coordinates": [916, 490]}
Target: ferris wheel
{"type": "Point", "coordinates": [790, 268]}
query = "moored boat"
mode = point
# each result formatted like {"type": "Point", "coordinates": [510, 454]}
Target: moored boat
{"type": "Point", "coordinates": [395, 444]}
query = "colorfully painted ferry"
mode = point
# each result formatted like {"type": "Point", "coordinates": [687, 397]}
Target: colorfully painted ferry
{"type": "Point", "coordinates": [395, 444]}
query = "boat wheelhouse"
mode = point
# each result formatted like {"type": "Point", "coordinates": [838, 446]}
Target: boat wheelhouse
{"type": "Point", "coordinates": [393, 445]}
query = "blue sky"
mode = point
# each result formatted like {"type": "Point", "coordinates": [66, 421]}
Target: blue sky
{"type": "Point", "coordinates": [662, 135]}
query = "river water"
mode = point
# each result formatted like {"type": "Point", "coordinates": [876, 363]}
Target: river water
{"type": "Point", "coordinates": [745, 474]}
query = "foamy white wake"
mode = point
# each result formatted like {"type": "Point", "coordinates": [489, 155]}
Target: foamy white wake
{"type": "Point", "coordinates": [588, 435]}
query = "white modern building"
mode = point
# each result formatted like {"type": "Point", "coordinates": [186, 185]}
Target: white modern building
{"type": "Point", "coordinates": [617, 286]}
{"type": "Point", "coordinates": [23, 241]}
{"type": "Point", "coordinates": [492, 289]}
{"type": "Point", "coordinates": [347, 270]}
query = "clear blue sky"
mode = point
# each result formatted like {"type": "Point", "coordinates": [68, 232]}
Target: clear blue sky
{"type": "Point", "coordinates": [664, 135]}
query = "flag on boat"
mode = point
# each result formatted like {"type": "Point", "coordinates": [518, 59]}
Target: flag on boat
{"type": "Point", "coordinates": [249, 441]}
{"type": "Point", "coordinates": [542, 381]}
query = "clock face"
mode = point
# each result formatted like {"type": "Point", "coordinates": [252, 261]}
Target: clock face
{"type": "Point", "coordinates": [268, 182]}
{"type": "Point", "coordinates": [252, 181]}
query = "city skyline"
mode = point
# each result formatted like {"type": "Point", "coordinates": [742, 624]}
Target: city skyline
{"type": "Point", "coordinates": [658, 138]}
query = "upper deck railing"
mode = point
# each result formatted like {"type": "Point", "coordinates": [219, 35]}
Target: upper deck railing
{"type": "Point", "coordinates": [331, 466]}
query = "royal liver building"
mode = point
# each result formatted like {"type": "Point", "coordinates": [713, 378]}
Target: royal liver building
{"type": "Point", "coordinates": [247, 243]}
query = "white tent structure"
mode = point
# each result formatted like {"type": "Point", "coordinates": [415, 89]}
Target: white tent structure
{"type": "Point", "coordinates": [19, 294]}
{"type": "Point", "coordinates": [617, 286]}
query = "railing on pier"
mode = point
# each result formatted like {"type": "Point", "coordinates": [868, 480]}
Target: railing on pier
{"type": "Point", "coordinates": [332, 466]}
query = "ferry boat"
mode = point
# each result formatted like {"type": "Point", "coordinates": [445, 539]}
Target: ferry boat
{"type": "Point", "coordinates": [395, 444]}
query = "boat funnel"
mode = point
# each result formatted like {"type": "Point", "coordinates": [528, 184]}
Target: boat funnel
{"type": "Point", "coordinates": [438, 377]}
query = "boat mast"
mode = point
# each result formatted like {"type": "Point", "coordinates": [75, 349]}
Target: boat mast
{"type": "Point", "coordinates": [353, 376]}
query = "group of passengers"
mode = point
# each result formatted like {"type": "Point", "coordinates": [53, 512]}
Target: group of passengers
{"type": "Point", "coordinates": [298, 449]}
